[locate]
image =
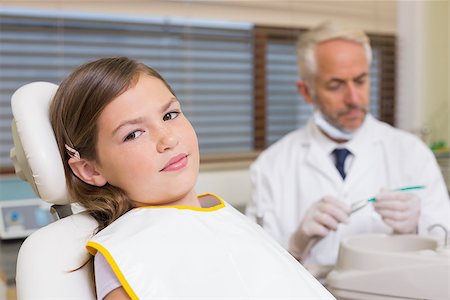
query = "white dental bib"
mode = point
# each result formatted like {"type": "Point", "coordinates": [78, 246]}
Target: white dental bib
{"type": "Point", "coordinates": [183, 252]}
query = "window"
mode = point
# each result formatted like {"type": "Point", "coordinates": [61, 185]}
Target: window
{"type": "Point", "coordinates": [286, 108]}
{"type": "Point", "coordinates": [236, 82]}
{"type": "Point", "coordinates": [208, 65]}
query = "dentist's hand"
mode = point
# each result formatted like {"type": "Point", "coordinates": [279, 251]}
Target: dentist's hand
{"type": "Point", "coordinates": [320, 219]}
{"type": "Point", "coordinates": [324, 216]}
{"type": "Point", "coordinates": [400, 210]}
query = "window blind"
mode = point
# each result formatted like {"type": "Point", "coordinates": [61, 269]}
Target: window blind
{"type": "Point", "coordinates": [286, 108]}
{"type": "Point", "coordinates": [209, 66]}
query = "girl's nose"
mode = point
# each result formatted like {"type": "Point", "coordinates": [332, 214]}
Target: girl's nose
{"type": "Point", "coordinates": [167, 140]}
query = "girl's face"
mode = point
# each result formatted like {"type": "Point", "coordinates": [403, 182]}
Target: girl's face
{"type": "Point", "coordinates": [147, 147]}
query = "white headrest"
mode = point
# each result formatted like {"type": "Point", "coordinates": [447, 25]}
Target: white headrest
{"type": "Point", "coordinates": [35, 154]}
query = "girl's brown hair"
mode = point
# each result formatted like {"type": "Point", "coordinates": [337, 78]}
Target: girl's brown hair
{"type": "Point", "coordinates": [74, 112]}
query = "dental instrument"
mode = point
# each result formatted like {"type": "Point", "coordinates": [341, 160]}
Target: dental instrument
{"type": "Point", "coordinates": [360, 204]}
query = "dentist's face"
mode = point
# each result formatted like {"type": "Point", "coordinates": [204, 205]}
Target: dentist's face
{"type": "Point", "coordinates": [342, 83]}
{"type": "Point", "coordinates": [147, 147]}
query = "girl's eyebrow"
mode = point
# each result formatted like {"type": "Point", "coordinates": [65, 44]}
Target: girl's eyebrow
{"type": "Point", "coordinates": [128, 122]}
{"type": "Point", "coordinates": [169, 104]}
{"type": "Point", "coordinates": [141, 119]}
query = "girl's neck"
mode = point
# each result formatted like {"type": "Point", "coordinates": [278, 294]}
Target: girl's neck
{"type": "Point", "coordinates": [188, 199]}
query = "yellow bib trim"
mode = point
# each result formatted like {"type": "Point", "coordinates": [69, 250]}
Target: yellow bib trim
{"type": "Point", "coordinates": [93, 247]}
{"type": "Point", "coordinates": [205, 209]}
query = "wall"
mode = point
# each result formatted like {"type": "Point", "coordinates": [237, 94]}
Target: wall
{"type": "Point", "coordinates": [236, 191]}
{"type": "Point", "coordinates": [375, 16]}
{"type": "Point", "coordinates": [423, 64]}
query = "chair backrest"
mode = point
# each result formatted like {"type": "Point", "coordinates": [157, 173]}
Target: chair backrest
{"type": "Point", "coordinates": [48, 258]}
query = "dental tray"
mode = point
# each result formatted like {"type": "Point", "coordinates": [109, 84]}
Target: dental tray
{"type": "Point", "coordinates": [382, 267]}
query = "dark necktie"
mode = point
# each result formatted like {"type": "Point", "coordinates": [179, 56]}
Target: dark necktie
{"type": "Point", "coordinates": [341, 154]}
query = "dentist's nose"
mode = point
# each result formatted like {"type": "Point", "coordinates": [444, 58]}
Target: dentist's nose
{"type": "Point", "coordinates": [167, 140]}
{"type": "Point", "coordinates": [352, 95]}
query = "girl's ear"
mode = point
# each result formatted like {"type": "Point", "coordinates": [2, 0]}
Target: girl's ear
{"type": "Point", "coordinates": [86, 171]}
{"type": "Point", "coordinates": [303, 89]}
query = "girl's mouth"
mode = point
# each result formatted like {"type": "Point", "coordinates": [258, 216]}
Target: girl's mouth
{"type": "Point", "coordinates": [176, 163]}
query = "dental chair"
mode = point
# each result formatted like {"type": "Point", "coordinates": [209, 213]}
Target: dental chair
{"type": "Point", "coordinates": [48, 258]}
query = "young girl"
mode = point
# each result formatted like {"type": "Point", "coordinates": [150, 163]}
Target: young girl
{"type": "Point", "coordinates": [131, 159]}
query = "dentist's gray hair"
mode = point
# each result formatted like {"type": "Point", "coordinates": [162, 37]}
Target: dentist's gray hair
{"type": "Point", "coordinates": [324, 32]}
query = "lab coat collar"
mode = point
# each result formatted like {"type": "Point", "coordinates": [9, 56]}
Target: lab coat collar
{"type": "Point", "coordinates": [362, 146]}
{"type": "Point", "coordinates": [320, 147]}
{"type": "Point", "coordinates": [366, 137]}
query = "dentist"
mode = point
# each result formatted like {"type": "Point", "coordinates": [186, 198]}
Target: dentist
{"type": "Point", "coordinates": [304, 184]}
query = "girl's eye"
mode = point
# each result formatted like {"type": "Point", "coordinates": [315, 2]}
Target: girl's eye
{"type": "Point", "coordinates": [133, 135]}
{"type": "Point", "coordinates": [171, 115]}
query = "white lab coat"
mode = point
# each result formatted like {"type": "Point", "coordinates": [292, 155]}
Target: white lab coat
{"type": "Point", "coordinates": [296, 172]}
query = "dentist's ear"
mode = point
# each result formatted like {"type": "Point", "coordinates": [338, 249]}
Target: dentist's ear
{"type": "Point", "coordinates": [86, 171]}
{"type": "Point", "coordinates": [304, 90]}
